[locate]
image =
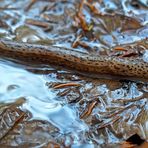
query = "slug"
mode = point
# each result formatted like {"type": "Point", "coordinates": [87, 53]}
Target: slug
{"type": "Point", "coordinates": [75, 60]}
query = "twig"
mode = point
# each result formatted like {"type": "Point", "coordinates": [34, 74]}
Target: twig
{"type": "Point", "coordinates": [37, 23]}
{"type": "Point", "coordinates": [88, 110]}
{"type": "Point", "coordinates": [59, 86]}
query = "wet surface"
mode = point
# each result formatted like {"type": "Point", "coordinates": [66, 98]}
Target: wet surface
{"type": "Point", "coordinates": [44, 106]}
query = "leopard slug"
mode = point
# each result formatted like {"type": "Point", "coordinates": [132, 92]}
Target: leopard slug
{"type": "Point", "coordinates": [75, 60]}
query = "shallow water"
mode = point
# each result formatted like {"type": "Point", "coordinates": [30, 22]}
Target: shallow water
{"type": "Point", "coordinates": [88, 112]}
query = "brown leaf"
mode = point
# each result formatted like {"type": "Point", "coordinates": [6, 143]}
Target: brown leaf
{"type": "Point", "coordinates": [8, 119]}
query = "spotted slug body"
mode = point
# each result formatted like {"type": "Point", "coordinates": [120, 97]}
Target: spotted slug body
{"type": "Point", "coordinates": [75, 60]}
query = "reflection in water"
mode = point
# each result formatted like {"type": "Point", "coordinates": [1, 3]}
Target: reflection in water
{"type": "Point", "coordinates": [40, 101]}
{"type": "Point", "coordinates": [17, 83]}
{"type": "Point", "coordinates": [112, 109]}
{"type": "Point", "coordinates": [44, 106]}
